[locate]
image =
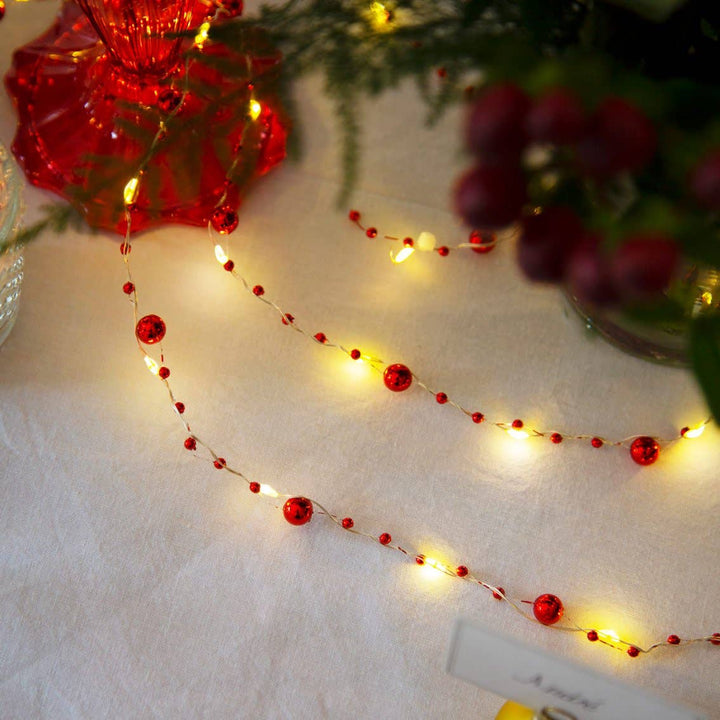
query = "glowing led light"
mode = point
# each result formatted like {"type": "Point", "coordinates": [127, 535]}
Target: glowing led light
{"type": "Point", "coordinates": [380, 14]}
{"type": "Point", "coordinates": [152, 366]}
{"type": "Point", "coordinates": [707, 297]}
{"type": "Point", "coordinates": [130, 192]}
{"type": "Point", "coordinates": [269, 491]}
{"type": "Point", "coordinates": [517, 434]}
{"type": "Point", "coordinates": [426, 241]}
{"type": "Point", "coordinates": [695, 432]}
{"type": "Point", "coordinates": [202, 34]}
{"type": "Point", "coordinates": [610, 637]}
{"type": "Point", "coordinates": [255, 109]}
{"type": "Point", "coordinates": [435, 565]}
{"type": "Point", "coordinates": [402, 255]}
{"type": "Point", "coordinates": [222, 258]}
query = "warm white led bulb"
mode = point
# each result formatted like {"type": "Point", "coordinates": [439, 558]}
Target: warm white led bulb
{"type": "Point", "coordinates": [402, 255]}
{"type": "Point", "coordinates": [695, 432]}
{"type": "Point", "coordinates": [255, 109]}
{"type": "Point", "coordinates": [222, 258]}
{"type": "Point", "coordinates": [518, 434]}
{"type": "Point", "coordinates": [269, 491]}
{"type": "Point", "coordinates": [130, 192]}
{"type": "Point", "coordinates": [426, 242]}
{"type": "Point", "coordinates": [202, 34]}
{"type": "Point", "coordinates": [152, 366]}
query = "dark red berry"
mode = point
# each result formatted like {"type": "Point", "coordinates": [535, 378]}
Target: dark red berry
{"type": "Point", "coordinates": [588, 273]}
{"type": "Point", "coordinates": [557, 117]}
{"type": "Point", "coordinates": [643, 266]}
{"type": "Point", "coordinates": [491, 197]}
{"type": "Point", "coordinates": [705, 181]}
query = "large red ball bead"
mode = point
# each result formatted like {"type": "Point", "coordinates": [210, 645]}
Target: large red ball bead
{"type": "Point", "coordinates": [644, 265]}
{"type": "Point", "coordinates": [397, 377]}
{"type": "Point", "coordinates": [588, 273]}
{"type": "Point", "coordinates": [224, 220]}
{"type": "Point", "coordinates": [548, 609]}
{"type": "Point", "coordinates": [485, 241]}
{"type": "Point", "coordinates": [298, 510]}
{"type": "Point", "coordinates": [168, 100]}
{"type": "Point", "coordinates": [150, 329]}
{"type": "Point", "coordinates": [557, 117]}
{"type": "Point", "coordinates": [491, 197]}
{"type": "Point", "coordinates": [644, 450]}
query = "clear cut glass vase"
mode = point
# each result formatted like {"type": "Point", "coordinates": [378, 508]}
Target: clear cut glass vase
{"type": "Point", "coordinates": [11, 259]}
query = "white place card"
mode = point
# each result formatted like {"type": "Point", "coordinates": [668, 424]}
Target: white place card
{"type": "Point", "coordinates": [537, 680]}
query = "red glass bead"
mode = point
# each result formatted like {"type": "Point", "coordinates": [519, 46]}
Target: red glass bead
{"type": "Point", "coordinates": [180, 407]}
{"type": "Point", "coordinates": [548, 609]}
{"type": "Point", "coordinates": [224, 220]}
{"type": "Point", "coordinates": [408, 242]}
{"type": "Point", "coordinates": [254, 487]}
{"type": "Point", "coordinates": [220, 463]}
{"type": "Point", "coordinates": [354, 215]}
{"type": "Point", "coordinates": [596, 442]}
{"type": "Point", "coordinates": [461, 571]}
{"type": "Point", "coordinates": [371, 232]}
{"type": "Point", "coordinates": [485, 241]}
{"type": "Point", "coordinates": [684, 430]}
{"type": "Point", "coordinates": [420, 559]}
{"type": "Point", "coordinates": [288, 319]}
{"type": "Point", "coordinates": [499, 594]}
{"type": "Point", "coordinates": [644, 450]}
{"type": "Point", "coordinates": [557, 438]}
{"type": "Point", "coordinates": [229, 265]}
{"type": "Point", "coordinates": [441, 397]}
{"type": "Point", "coordinates": [385, 539]}
{"type": "Point", "coordinates": [397, 377]}
{"type": "Point", "coordinates": [715, 639]}
{"type": "Point", "coordinates": [347, 523]}
{"type": "Point", "coordinates": [298, 510]}
{"type": "Point", "coordinates": [592, 636]}
{"type": "Point", "coordinates": [128, 288]}
{"type": "Point", "coordinates": [517, 424]}
{"type": "Point", "coordinates": [190, 443]}
{"type": "Point", "coordinates": [443, 251]}
{"type": "Point", "coordinates": [477, 417]}
{"type": "Point", "coordinates": [355, 354]}
{"type": "Point", "coordinates": [164, 372]}
{"type": "Point", "coordinates": [442, 72]}
{"type": "Point", "coordinates": [258, 290]}
{"type": "Point", "coordinates": [233, 8]}
{"type": "Point", "coordinates": [320, 337]}
{"type": "Point", "coordinates": [633, 652]}
{"type": "Point", "coordinates": [125, 248]}
{"type": "Point", "coordinates": [168, 100]}
{"type": "Point", "coordinates": [673, 640]}
{"type": "Point", "coordinates": [150, 329]}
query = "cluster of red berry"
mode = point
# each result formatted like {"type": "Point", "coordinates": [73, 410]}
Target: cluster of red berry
{"type": "Point", "coordinates": [555, 245]}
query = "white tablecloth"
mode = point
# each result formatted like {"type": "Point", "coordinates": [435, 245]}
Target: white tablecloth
{"type": "Point", "coordinates": [138, 582]}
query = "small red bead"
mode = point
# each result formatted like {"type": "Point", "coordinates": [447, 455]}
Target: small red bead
{"type": "Point", "coordinates": [168, 100]}
{"type": "Point", "coordinates": [128, 288]}
{"type": "Point", "coordinates": [254, 487]}
{"type": "Point", "coordinates": [673, 640]}
{"type": "Point", "coordinates": [224, 220]}
{"type": "Point", "coordinates": [592, 636]}
{"type": "Point", "coordinates": [517, 424]}
{"type": "Point", "coordinates": [485, 241]}
{"type": "Point", "coordinates": [441, 397]}
{"type": "Point", "coordinates": [320, 337]}
{"type": "Point", "coordinates": [354, 215]}
{"type": "Point", "coordinates": [557, 438]}
{"type": "Point", "coordinates": [190, 443]}
{"type": "Point", "coordinates": [258, 290]}
{"type": "Point", "coordinates": [443, 251]}
{"type": "Point", "coordinates": [477, 417]}
{"type": "Point", "coordinates": [596, 442]}
{"type": "Point", "coordinates": [385, 539]}
{"type": "Point", "coordinates": [442, 72]}
{"type": "Point", "coordinates": [125, 248]}
{"type": "Point", "coordinates": [347, 523]}
{"type": "Point", "coordinates": [684, 430]}
{"type": "Point", "coordinates": [355, 354]}
{"type": "Point", "coordinates": [180, 407]}
{"type": "Point", "coordinates": [298, 510]}
{"type": "Point", "coordinates": [461, 571]}
{"type": "Point", "coordinates": [397, 377]}
{"type": "Point", "coordinates": [288, 319]}
{"type": "Point", "coordinates": [164, 372]}
{"type": "Point", "coordinates": [500, 594]}
{"type": "Point", "coordinates": [548, 609]}
{"type": "Point", "coordinates": [2, 9]}
{"type": "Point", "coordinates": [220, 463]}
{"type": "Point", "coordinates": [632, 651]}
{"type": "Point", "coordinates": [408, 242]}
{"type": "Point", "coordinates": [715, 639]}
{"type": "Point", "coordinates": [420, 559]}
{"type": "Point", "coordinates": [371, 232]}
{"type": "Point", "coordinates": [150, 329]}
{"type": "Point", "coordinates": [229, 265]}
{"type": "Point", "coordinates": [644, 450]}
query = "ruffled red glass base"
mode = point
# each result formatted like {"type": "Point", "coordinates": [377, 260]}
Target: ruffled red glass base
{"type": "Point", "coordinates": [85, 125]}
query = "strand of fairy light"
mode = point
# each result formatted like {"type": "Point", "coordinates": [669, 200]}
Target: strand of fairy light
{"type": "Point", "coordinates": [547, 609]}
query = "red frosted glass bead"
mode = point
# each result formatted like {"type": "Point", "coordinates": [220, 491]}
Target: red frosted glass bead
{"type": "Point", "coordinates": [371, 232]}
{"type": "Point", "coordinates": [220, 463]}
{"type": "Point", "coordinates": [499, 595]}
{"type": "Point", "coordinates": [420, 559]}
{"type": "Point", "coordinates": [354, 215]}
{"type": "Point", "coordinates": [517, 424]}
{"type": "Point", "coordinates": [229, 265]}
{"type": "Point", "coordinates": [150, 329]}
{"type": "Point", "coordinates": [347, 523]}
{"type": "Point", "coordinates": [673, 640]}
{"type": "Point", "coordinates": [168, 100]}
{"type": "Point", "coordinates": [190, 443]}
{"type": "Point", "coordinates": [461, 571]}
{"type": "Point", "coordinates": [385, 539]}
{"type": "Point", "coordinates": [592, 636]}
{"type": "Point", "coordinates": [397, 377]}
{"type": "Point", "coordinates": [298, 510]}
{"type": "Point", "coordinates": [644, 450]}
{"type": "Point", "coordinates": [164, 372]}
{"type": "Point", "coordinates": [355, 354]}
{"type": "Point", "coordinates": [128, 288]}
{"type": "Point", "coordinates": [320, 337]}
{"type": "Point", "coordinates": [258, 290]}
{"type": "Point", "coordinates": [596, 442]}
{"type": "Point", "coordinates": [408, 242]}
{"type": "Point", "coordinates": [485, 241]}
{"type": "Point", "coordinates": [125, 248]}
{"type": "Point", "coordinates": [443, 251]}
{"type": "Point", "coordinates": [180, 407]}
{"type": "Point", "coordinates": [633, 652]}
{"type": "Point", "coordinates": [224, 220]}
{"type": "Point", "coordinates": [715, 639]}
{"type": "Point", "coordinates": [548, 609]}
{"type": "Point", "coordinates": [254, 487]}
{"type": "Point", "coordinates": [477, 417]}
{"type": "Point", "coordinates": [288, 319]}
{"type": "Point", "coordinates": [557, 438]}
{"type": "Point", "coordinates": [441, 397]}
